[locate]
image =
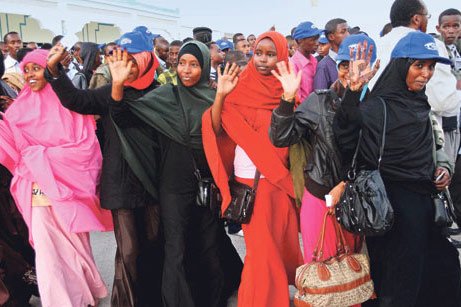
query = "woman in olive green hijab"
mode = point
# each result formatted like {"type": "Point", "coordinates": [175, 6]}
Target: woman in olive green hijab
{"type": "Point", "coordinates": [201, 266]}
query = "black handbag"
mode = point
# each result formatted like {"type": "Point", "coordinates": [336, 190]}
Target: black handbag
{"type": "Point", "coordinates": [208, 195]}
{"type": "Point", "coordinates": [444, 212]}
{"type": "Point", "coordinates": [364, 207]}
{"type": "Point", "coordinates": [243, 196]}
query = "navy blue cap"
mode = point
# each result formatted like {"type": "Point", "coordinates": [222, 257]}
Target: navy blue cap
{"type": "Point", "coordinates": [352, 41]}
{"type": "Point", "coordinates": [144, 31]}
{"type": "Point", "coordinates": [323, 38]}
{"type": "Point", "coordinates": [306, 29]}
{"type": "Point", "coordinates": [420, 46]}
{"type": "Point", "coordinates": [135, 42]}
{"type": "Point", "coordinates": [223, 44]}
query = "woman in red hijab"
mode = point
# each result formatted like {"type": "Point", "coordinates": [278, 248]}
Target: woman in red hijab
{"type": "Point", "coordinates": [236, 142]}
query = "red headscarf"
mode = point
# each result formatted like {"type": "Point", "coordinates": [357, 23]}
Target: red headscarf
{"type": "Point", "coordinates": [256, 90]}
{"type": "Point", "coordinates": [147, 64]}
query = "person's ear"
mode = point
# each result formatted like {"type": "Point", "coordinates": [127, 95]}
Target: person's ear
{"type": "Point", "coordinates": [437, 27]}
{"type": "Point", "coordinates": [331, 37]}
{"type": "Point", "coordinates": [416, 20]}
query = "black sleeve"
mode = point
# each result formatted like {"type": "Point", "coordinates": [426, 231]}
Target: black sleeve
{"type": "Point", "coordinates": [81, 101]}
{"type": "Point", "coordinates": [347, 124]}
{"type": "Point", "coordinates": [288, 126]}
{"type": "Point", "coordinates": [122, 115]}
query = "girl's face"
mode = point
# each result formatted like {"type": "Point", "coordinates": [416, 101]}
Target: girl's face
{"type": "Point", "coordinates": [265, 56]}
{"type": "Point", "coordinates": [34, 75]}
{"type": "Point", "coordinates": [343, 72]}
{"type": "Point", "coordinates": [134, 72]}
{"type": "Point", "coordinates": [189, 70]}
{"type": "Point", "coordinates": [419, 73]}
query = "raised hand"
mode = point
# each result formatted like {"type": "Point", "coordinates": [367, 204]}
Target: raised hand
{"type": "Point", "coordinates": [119, 66]}
{"type": "Point", "coordinates": [57, 54]}
{"type": "Point", "coordinates": [228, 79]}
{"type": "Point", "coordinates": [289, 79]}
{"type": "Point", "coordinates": [360, 71]}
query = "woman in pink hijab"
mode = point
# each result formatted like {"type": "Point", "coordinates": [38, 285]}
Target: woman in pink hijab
{"type": "Point", "coordinates": [55, 160]}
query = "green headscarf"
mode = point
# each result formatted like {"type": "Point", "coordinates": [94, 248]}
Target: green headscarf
{"type": "Point", "coordinates": [175, 111]}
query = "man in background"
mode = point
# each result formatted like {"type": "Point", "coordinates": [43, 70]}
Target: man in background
{"type": "Point", "coordinates": [13, 42]}
{"type": "Point", "coordinates": [306, 36]}
{"type": "Point", "coordinates": [170, 75]}
{"type": "Point", "coordinates": [327, 73]}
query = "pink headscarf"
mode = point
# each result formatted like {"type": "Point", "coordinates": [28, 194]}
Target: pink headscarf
{"type": "Point", "coordinates": [57, 149]}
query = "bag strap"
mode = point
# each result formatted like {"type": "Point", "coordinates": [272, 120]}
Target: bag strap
{"type": "Point", "coordinates": [383, 139]}
{"type": "Point", "coordinates": [256, 180]}
{"type": "Point", "coordinates": [318, 251]}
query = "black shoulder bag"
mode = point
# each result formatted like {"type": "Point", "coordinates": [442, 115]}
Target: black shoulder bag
{"type": "Point", "coordinates": [243, 196]}
{"type": "Point", "coordinates": [364, 207]}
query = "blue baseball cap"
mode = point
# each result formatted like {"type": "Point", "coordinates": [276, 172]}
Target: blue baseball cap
{"type": "Point", "coordinates": [223, 44]}
{"type": "Point", "coordinates": [306, 29]}
{"type": "Point", "coordinates": [420, 46]}
{"type": "Point", "coordinates": [144, 31]}
{"type": "Point", "coordinates": [135, 42]}
{"type": "Point", "coordinates": [352, 41]}
{"type": "Point", "coordinates": [323, 38]}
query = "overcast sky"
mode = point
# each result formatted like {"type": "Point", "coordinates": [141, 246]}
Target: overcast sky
{"type": "Point", "coordinates": [256, 16]}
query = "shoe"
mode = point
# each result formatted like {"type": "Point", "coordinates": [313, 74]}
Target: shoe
{"type": "Point", "coordinates": [455, 243]}
{"type": "Point", "coordinates": [454, 231]}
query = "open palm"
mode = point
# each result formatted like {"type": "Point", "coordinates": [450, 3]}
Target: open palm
{"type": "Point", "coordinates": [228, 79]}
{"type": "Point", "coordinates": [120, 66]}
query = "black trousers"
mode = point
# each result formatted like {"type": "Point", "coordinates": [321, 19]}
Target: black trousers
{"type": "Point", "coordinates": [413, 264]}
{"type": "Point", "coordinates": [195, 272]}
{"type": "Point", "coordinates": [455, 190]}
{"type": "Point", "coordinates": [139, 257]}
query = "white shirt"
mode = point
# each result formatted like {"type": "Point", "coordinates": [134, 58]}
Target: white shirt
{"type": "Point", "coordinates": [11, 65]}
{"type": "Point", "coordinates": [441, 91]}
{"type": "Point", "coordinates": [243, 166]}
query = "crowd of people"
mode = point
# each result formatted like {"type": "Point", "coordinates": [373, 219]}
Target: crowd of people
{"type": "Point", "coordinates": [122, 136]}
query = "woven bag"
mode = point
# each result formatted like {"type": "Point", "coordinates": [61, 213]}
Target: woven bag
{"type": "Point", "coordinates": [343, 280]}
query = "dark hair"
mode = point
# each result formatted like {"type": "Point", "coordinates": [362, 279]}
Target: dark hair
{"type": "Point", "coordinates": [403, 10]}
{"type": "Point", "coordinates": [448, 12]}
{"type": "Point", "coordinates": [187, 39]}
{"type": "Point", "coordinates": [5, 38]}
{"type": "Point", "coordinates": [22, 53]}
{"type": "Point", "coordinates": [386, 29]}
{"type": "Point", "coordinates": [332, 25]}
{"type": "Point", "coordinates": [236, 56]}
{"type": "Point", "coordinates": [160, 40]}
{"type": "Point", "coordinates": [176, 43]}
{"type": "Point", "coordinates": [56, 39]}
{"type": "Point", "coordinates": [251, 35]}
{"type": "Point", "coordinates": [46, 46]}
{"type": "Point", "coordinates": [354, 30]}
{"type": "Point", "coordinates": [234, 38]}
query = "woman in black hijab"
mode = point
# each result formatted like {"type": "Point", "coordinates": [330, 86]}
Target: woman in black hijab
{"type": "Point", "coordinates": [413, 264]}
{"type": "Point", "coordinates": [90, 55]}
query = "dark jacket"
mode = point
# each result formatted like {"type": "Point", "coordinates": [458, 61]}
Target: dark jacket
{"type": "Point", "coordinates": [120, 188]}
{"type": "Point", "coordinates": [312, 120]}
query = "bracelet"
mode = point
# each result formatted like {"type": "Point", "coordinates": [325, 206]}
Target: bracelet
{"type": "Point", "coordinates": [290, 99]}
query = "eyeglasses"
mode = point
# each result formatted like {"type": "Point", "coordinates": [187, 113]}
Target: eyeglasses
{"type": "Point", "coordinates": [428, 16]}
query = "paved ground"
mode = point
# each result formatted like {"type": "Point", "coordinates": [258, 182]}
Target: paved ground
{"type": "Point", "coordinates": [104, 251]}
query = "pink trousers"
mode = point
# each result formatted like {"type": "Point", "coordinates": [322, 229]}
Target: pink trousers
{"type": "Point", "coordinates": [66, 272]}
{"type": "Point", "coordinates": [312, 213]}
